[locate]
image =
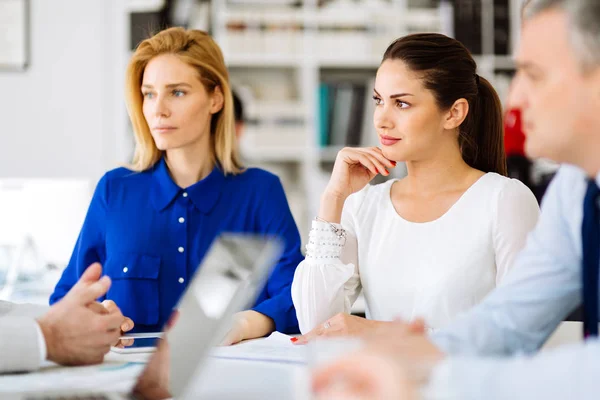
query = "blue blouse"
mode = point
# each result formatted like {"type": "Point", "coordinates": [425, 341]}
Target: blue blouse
{"type": "Point", "coordinates": [150, 236]}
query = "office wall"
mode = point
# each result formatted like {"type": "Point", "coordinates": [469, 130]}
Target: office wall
{"type": "Point", "coordinates": [59, 117]}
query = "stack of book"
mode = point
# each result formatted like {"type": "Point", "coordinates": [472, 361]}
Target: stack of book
{"type": "Point", "coordinates": [346, 114]}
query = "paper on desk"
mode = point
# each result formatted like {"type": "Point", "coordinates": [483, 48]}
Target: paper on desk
{"type": "Point", "coordinates": [276, 348]}
{"type": "Point", "coordinates": [142, 358]}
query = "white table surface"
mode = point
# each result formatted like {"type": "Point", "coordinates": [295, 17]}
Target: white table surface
{"type": "Point", "coordinates": [220, 379]}
{"type": "Point", "coordinates": [242, 379]}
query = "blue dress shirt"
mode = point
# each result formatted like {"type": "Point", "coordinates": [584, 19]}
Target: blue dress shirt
{"type": "Point", "coordinates": [544, 286]}
{"type": "Point", "coordinates": [150, 236]}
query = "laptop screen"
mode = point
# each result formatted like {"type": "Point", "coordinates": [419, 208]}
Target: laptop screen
{"type": "Point", "coordinates": [228, 280]}
{"type": "Point", "coordinates": [224, 270]}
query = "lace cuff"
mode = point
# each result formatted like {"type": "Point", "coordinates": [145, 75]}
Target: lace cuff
{"type": "Point", "coordinates": [325, 241]}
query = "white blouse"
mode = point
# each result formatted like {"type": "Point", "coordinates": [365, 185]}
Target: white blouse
{"type": "Point", "coordinates": [432, 270]}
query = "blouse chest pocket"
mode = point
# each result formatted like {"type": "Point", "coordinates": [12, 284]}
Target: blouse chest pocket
{"type": "Point", "coordinates": [135, 286]}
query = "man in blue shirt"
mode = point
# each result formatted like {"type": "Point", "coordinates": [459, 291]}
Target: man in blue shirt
{"type": "Point", "coordinates": [557, 87]}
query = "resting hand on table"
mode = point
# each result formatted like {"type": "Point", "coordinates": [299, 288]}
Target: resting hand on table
{"type": "Point", "coordinates": [345, 325]}
{"type": "Point", "coordinates": [77, 330]}
{"type": "Point", "coordinates": [392, 365]}
{"type": "Point", "coordinates": [248, 325]}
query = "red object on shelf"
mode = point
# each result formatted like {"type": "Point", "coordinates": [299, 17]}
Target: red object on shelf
{"type": "Point", "coordinates": [514, 138]}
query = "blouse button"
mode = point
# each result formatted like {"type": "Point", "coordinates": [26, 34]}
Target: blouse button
{"type": "Point", "coordinates": [181, 220]}
{"type": "Point", "coordinates": [125, 269]}
{"type": "Point", "coordinates": [180, 249]}
{"type": "Point", "coordinates": [185, 194]}
{"type": "Point", "coordinates": [181, 280]}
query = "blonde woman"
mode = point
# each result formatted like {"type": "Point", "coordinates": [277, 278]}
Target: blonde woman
{"type": "Point", "coordinates": [151, 224]}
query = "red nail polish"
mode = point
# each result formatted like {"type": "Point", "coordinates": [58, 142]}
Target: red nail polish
{"type": "Point", "coordinates": [294, 339]}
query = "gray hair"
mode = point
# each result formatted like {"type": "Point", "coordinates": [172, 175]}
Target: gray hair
{"type": "Point", "coordinates": [584, 22]}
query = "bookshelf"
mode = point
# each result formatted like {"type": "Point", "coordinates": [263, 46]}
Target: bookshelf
{"type": "Point", "coordinates": [281, 53]}
{"type": "Point", "coordinates": [337, 43]}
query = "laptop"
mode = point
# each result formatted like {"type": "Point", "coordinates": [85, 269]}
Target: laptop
{"type": "Point", "coordinates": [228, 280]}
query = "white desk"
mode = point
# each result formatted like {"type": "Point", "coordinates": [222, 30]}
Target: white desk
{"type": "Point", "coordinates": [240, 379]}
{"type": "Point", "coordinates": [220, 379]}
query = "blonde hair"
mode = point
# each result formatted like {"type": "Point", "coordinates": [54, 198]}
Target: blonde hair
{"type": "Point", "coordinates": [197, 49]}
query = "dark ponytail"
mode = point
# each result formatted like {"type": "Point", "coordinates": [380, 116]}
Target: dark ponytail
{"type": "Point", "coordinates": [482, 143]}
{"type": "Point", "coordinates": [449, 71]}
